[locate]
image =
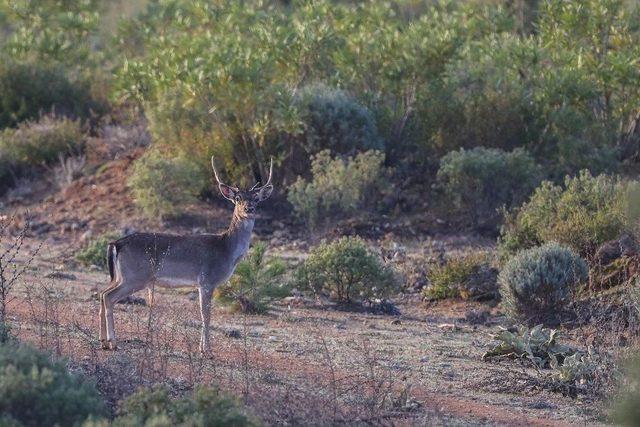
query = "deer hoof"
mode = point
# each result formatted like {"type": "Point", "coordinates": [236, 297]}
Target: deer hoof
{"type": "Point", "coordinates": [104, 344]}
{"type": "Point", "coordinates": [113, 346]}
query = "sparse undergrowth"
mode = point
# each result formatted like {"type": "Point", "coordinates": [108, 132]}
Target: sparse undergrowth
{"type": "Point", "coordinates": [468, 277]}
{"type": "Point", "coordinates": [583, 214]}
{"type": "Point", "coordinates": [256, 281]}
{"type": "Point", "coordinates": [94, 252]}
{"type": "Point", "coordinates": [573, 371]}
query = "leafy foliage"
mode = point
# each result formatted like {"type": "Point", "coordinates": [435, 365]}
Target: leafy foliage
{"type": "Point", "coordinates": [346, 270]}
{"type": "Point", "coordinates": [583, 214]}
{"type": "Point", "coordinates": [49, 31]}
{"type": "Point", "coordinates": [36, 391]}
{"type": "Point", "coordinates": [339, 187]}
{"type": "Point", "coordinates": [161, 186]}
{"type": "Point", "coordinates": [207, 407]}
{"type": "Point", "coordinates": [254, 283]}
{"type": "Point", "coordinates": [536, 284]}
{"type": "Point", "coordinates": [481, 180]}
{"type": "Point", "coordinates": [94, 251]}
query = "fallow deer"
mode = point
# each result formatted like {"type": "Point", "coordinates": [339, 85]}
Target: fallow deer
{"type": "Point", "coordinates": [144, 260]}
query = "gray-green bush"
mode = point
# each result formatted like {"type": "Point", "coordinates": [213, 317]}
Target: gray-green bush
{"type": "Point", "coordinates": [34, 391]}
{"type": "Point", "coordinates": [340, 186]}
{"type": "Point", "coordinates": [584, 213]}
{"type": "Point", "coordinates": [479, 181]}
{"type": "Point", "coordinates": [333, 120]}
{"type": "Point", "coordinates": [161, 185]}
{"type": "Point", "coordinates": [347, 271]}
{"type": "Point", "coordinates": [536, 284]}
{"type": "Point", "coordinates": [206, 407]}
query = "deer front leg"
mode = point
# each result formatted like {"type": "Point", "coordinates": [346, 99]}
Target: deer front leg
{"type": "Point", "coordinates": [205, 314]}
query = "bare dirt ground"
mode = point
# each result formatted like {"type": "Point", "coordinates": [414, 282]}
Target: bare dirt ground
{"type": "Point", "coordinates": [305, 362]}
{"type": "Point", "coordinates": [302, 362]}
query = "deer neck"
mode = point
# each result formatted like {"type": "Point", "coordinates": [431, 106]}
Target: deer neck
{"type": "Point", "coordinates": [239, 235]}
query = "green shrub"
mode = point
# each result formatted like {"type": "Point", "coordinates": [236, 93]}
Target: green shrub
{"type": "Point", "coordinates": [32, 89]}
{"type": "Point", "coordinates": [470, 276]}
{"type": "Point", "coordinates": [206, 407]}
{"type": "Point", "coordinates": [35, 391]}
{"type": "Point", "coordinates": [332, 120]}
{"type": "Point", "coordinates": [537, 283]}
{"type": "Point", "coordinates": [254, 283]}
{"type": "Point", "coordinates": [37, 143]}
{"type": "Point", "coordinates": [346, 270]}
{"type": "Point", "coordinates": [339, 187]}
{"type": "Point", "coordinates": [94, 252]}
{"type": "Point", "coordinates": [479, 181]}
{"type": "Point", "coordinates": [583, 214]}
{"type": "Point", "coordinates": [161, 185]}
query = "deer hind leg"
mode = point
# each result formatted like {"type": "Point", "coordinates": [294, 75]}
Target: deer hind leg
{"type": "Point", "coordinates": [103, 318]}
{"type": "Point", "coordinates": [151, 291]}
{"type": "Point", "coordinates": [111, 297]}
{"type": "Point", "coordinates": [205, 313]}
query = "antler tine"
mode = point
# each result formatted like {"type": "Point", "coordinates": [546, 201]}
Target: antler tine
{"type": "Point", "coordinates": [254, 186]}
{"type": "Point", "coordinates": [270, 173]}
{"type": "Point", "coordinates": [268, 180]}
{"type": "Point", "coordinates": [215, 172]}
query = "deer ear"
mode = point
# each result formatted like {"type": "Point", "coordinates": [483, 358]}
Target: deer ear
{"type": "Point", "coordinates": [227, 192]}
{"type": "Point", "coordinates": [265, 192]}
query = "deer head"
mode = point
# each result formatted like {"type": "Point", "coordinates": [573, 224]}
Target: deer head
{"type": "Point", "coordinates": [245, 201]}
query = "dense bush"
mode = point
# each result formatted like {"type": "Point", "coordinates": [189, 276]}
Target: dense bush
{"type": "Point", "coordinates": [94, 251]}
{"type": "Point", "coordinates": [469, 276]}
{"type": "Point", "coordinates": [35, 391]}
{"type": "Point", "coordinates": [332, 120]}
{"type": "Point", "coordinates": [161, 185]}
{"type": "Point", "coordinates": [537, 283]}
{"type": "Point", "coordinates": [37, 143]}
{"type": "Point", "coordinates": [32, 89]}
{"type": "Point", "coordinates": [479, 181]}
{"type": "Point", "coordinates": [206, 407]}
{"type": "Point", "coordinates": [340, 187]}
{"type": "Point", "coordinates": [346, 270]}
{"type": "Point", "coordinates": [584, 213]}
{"type": "Point", "coordinates": [255, 282]}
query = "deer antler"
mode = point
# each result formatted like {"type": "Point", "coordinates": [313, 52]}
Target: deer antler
{"type": "Point", "coordinates": [215, 172]}
{"type": "Point", "coordinates": [268, 180]}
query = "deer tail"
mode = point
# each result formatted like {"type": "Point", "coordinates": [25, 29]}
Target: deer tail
{"type": "Point", "coordinates": [111, 255]}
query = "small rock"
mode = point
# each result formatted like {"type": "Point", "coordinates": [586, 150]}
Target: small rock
{"type": "Point", "coordinates": [60, 275]}
{"type": "Point", "coordinates": [233, 333]}
{"type": "Point", "coordinates": [339, 326]}
{"type": "Point", "coordinates": [396, 322]}
{"type": "Point", "coordinates": [273, 338]}
{"type": "Point", "coordinates": [133, 300]}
